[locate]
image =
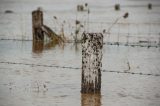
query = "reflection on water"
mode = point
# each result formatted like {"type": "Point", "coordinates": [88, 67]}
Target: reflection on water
{"type": "Point", "coordinates": [77, 46]}
{"type": "Point", "coordinates": [91, 99]}
{"type": "Point", "coordinates": [50, 45]}
{"type": "Point", "coordinates": [37, 46]}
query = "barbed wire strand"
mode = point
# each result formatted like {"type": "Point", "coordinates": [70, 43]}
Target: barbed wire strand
{"type": "Point", "coordinates": [69, 67]}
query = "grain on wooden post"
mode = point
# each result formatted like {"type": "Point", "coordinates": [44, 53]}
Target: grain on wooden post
{"type": "Point", "coordinates": [37, 23]}
{"type": "Point", "coordinates": [92, 44]}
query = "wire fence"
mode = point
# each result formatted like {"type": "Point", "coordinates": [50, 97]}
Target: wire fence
{"type": "Point", "coordinates": [78, 68]}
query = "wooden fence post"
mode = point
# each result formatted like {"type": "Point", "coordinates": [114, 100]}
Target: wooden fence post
{"type": "Point", "coordinates": [92, 44]}
{"type": "Point", "coordinates": [37, 23]}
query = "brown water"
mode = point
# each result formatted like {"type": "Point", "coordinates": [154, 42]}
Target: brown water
{"type": "Point", "coordinates": [52, 76]}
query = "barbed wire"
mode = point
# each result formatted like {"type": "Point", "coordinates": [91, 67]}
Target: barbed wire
{"type": "Point", "coordinates": [70, 67]}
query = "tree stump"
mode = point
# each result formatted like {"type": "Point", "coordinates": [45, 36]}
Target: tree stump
{"type": "Point", "coordinates": [92, 44]}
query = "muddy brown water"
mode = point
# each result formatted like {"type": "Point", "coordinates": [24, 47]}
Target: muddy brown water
{"type": "Point", "coordinates": [52, 77]}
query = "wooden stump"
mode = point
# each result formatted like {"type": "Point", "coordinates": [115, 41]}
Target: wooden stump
{"type": "Point", "coordinates": [92, 44]}
{"type": "Point", "coordinates": [37, 23]}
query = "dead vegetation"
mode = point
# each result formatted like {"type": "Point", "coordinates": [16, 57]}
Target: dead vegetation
{"type": "Point", "coordinates": [82, 7]}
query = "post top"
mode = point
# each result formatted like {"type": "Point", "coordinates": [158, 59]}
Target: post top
{"type": "Point", "coordinates": [92, 33]}
{"type": "Point", "coordinates": [95, 35]}
{"type": "Point", "coordinates": [39, 9]}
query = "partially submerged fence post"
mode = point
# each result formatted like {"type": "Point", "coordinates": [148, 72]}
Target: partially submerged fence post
{"type": "Point", "coordinates": [92, 44]}
{"type": "Point", "coordinates": [37, 23]}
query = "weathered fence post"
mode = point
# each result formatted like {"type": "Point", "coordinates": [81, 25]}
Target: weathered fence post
{"type": "Point", "coordinates": [37, 23]}
{"type": "Point", "coordinates": [92, 44]}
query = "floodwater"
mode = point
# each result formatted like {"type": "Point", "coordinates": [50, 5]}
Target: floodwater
{"type": "Point", "coordinates": [50, 75]}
